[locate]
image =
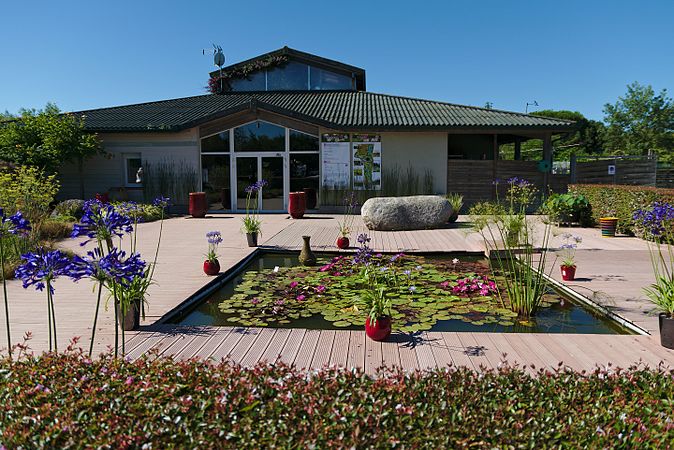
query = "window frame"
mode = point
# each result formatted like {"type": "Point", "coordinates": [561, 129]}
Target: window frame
{"type": "Point", "coordinates": [127, 157]}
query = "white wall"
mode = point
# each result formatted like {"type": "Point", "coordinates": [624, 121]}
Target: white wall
{"type": "Point", "coordinates": [424, 151]}
{"type": "Point", "coordinates": [103, 173]}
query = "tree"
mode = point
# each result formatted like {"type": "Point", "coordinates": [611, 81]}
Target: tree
{"type": "Point", "coordinates": [640, 122]}
{"type": "Point", "coordinates": [46, 139]}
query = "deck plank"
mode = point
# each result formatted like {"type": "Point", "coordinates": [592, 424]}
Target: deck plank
{"type": "Point", "coordinates": [441, 354]}
{"type": "Point", "coordinates": [457, 350]}
{"type": "Point", "coordinates": [257, 349]}
{"type": "Point", "coordinates": [475, 350]}
{"type": "Point", "coordinates": [273, 351]}
{"type": "Point", "coordinates": [356, 351]}
{"type": "Point", "coordinates": [227, 344]}
{"type": "Point", "coordinates": [373, 356]}
{"type": "Point", "coordinates": [292, 346]}
{"type": "Point", "coordinates": [307, 350]}
{"type": "Point", "coordinates": [339, 355]}
{"type": "Point", "coordinates": [323, 349]}
{"type": "Point", "coordinates": [424, 351]}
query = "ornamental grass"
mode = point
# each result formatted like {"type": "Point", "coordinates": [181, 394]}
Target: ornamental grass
{"type": "Point", "coordinates": [70, 401]}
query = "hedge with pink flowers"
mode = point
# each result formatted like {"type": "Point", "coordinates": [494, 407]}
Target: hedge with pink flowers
{"type": "Point", "coordinates": [69, 401]}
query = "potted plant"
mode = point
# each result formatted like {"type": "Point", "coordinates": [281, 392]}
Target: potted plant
{"type": "Point", "coordinates": [346, 224]}
{"type": "Point", "coordinates": [212, 265]}
{"type": "Point", "coordinates": [456, 202]}
{"type": "Point", "coordinates": [658, 221]}
{"type": "Point", "coordinates": [378, 321]}
{"type": "Point", "coordinates": [568, 250]}
{"type": "Point", "coordinates": [252, 225]}
{"type": "Point", "coordinates": [608, 226]}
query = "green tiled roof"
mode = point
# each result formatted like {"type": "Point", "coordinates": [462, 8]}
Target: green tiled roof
{"type": "Point", "coordinates": [341, 110]}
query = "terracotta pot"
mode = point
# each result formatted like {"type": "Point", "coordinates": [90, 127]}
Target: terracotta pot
{"type": "Point", "coordinates": [568, 273]}
{"type": "Point", "coordinates": [252, 239]}
{"type": "Point", "coordinates": [312, 197]}
{"type": "Point", "coordinates": [103, 198]}
{"type": "Point", "coordinates": [307, 256]}
{"type": "Point", "coordinates": [380, 330]}
{"type": "Point", "coordinates": [198, 205]}
{"type": "Point", "coordinates": [211, 267]}
{"type": "Point", "coordinates": [608, 226]}
{"type": "Point", "coordinates": [297, 204]}
{"type": "Point", "coordinates": [343, 242]}
{"type": "Point", "coordinates": [666, 330]}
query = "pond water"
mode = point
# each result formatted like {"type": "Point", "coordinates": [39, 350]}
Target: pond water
{"type": "Point", "coordinates": [274, 290]}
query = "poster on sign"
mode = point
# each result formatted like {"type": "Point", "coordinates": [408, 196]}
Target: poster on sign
{"type": "Point", "coordinates": [366, 161]}
{"type": "Point", "coordinates": [335, 161]}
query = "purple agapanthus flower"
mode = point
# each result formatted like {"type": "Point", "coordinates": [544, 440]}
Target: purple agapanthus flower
{"type": "Point", "coordinates": [162, 202]}
{"type": "Point", "coordinates": [15, 224]}
{"type": "Point", "coordinates": [519, 182]}
{"type": "Point", "coordinates": [656, 219]}
{"type": "Point", "coordinates": [101, 222]}
{"type": "Point", "coordinates": [363, 238]}
{"type": "Point", "coordinates": [214, 237]}
{"type": "Point", "coordinates": [120, 269]}
{"type": "Point", "coordinates": [42, 267]}
{"type": "Point", "coordinates": [256, 186]}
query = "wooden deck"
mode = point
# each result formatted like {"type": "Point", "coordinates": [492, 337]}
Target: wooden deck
{"type": "Point", "coordinates": [324, 232]}
{"type": "Point", "coordinates": [179, 275]}
{"type": "Point", "coordinates": [314, 349]}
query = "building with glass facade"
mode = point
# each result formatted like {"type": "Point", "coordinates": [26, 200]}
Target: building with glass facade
{"type": "Point", "coordinates": [298, 121]}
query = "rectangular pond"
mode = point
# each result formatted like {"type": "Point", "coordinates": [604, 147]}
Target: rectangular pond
{"type": "Point", "coordinates": [427, 293]}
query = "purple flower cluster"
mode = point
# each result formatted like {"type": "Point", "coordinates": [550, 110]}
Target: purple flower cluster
{"type": "Point", "coordinates": [364, 253]}
{"type": "Point", "coordinates": [656, 220]}
{"type": "Point", "coordinates": [42, 267]}
{"type": "Point", "coordinates": [100, 221]}
{"type": "Point", "coordinates": [162, 202]}
{"type": "Point", "coordinates": [519, 182]}
{"type": "Point", "coordinates": [120, 268]}
{"type": "Point", "coordinates": [214, 237]}
{"type": "Point", "coordinates": [15, 224]}
{"type": "Point", "coordinates": [255, 187]}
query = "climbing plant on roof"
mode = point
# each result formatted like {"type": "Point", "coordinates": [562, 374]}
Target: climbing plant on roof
{"type": "Point", "coordinates": [244, 71]}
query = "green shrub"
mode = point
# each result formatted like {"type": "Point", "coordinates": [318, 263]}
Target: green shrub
{"type": "Point", "coordinates": [69, 208]}
{"type": "Point", "coordinates": [568, 208]}
{"type": "Point", "coordinates": [68, 401]}
{"type": "Point", "coordinates": [53, 229]}
{"type": "Point", "coordinates": [142, 212]}
{"type": "Point", "coordinates": [620, 201]}
{"type": "Point", "coordinates": [29, 190]}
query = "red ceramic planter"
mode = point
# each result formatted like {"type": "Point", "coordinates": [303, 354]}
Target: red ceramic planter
{"type": "Point", "coordinates": [380, 330]}
{"type": "Point", "coordinates": [568, 273]}
{"type": "Point", "coordinates": [343, 242]}
{"type": "Point", "coordinates": [198, 206]}
{"type": "Point", "coordinates": [297, 204]}
{"type": "Point", "coordinates": [211, 268]}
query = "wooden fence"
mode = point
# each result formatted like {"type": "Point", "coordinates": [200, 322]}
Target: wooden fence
{"type": "Point", "coordinates": [475, 179]}
{"type": "Point", "coordinates": [633, 171]}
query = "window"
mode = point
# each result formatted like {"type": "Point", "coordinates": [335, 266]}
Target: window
{"type": "Point", "coordinates": [325, 80]}
{"type": "Point", "coordinates": [292, 76]}
{"type": "Point", "coordinates": [302, 142]}
{"type": "Point", "coordinates": [304, 171]}
{"type": "Point", "coordinates": [254, 82]}
{"type": "Point", "coordinates": [133, 169]}
{"type": "Point", "coordinates": [259, 137]}
{"type": "Point", "coordinates": [215, 178]}
{"type": "Point", "coordinates": [216, 143]}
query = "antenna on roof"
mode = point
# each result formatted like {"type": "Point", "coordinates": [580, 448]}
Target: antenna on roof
{"type": "Point", "coordinates": [526, 109]}
{"type": "Point", "coordinates": [218, 59]}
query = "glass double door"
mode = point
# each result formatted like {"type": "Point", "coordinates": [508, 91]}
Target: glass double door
{"type": "Point", "coordinates": [251, 169]}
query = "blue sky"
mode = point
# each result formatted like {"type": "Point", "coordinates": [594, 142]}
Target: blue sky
{"type": "Point", "coordinates": [575, 55]}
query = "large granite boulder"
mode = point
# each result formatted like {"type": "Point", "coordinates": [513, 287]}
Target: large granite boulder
{"type": "Point", "coordinates": [417, 212]}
